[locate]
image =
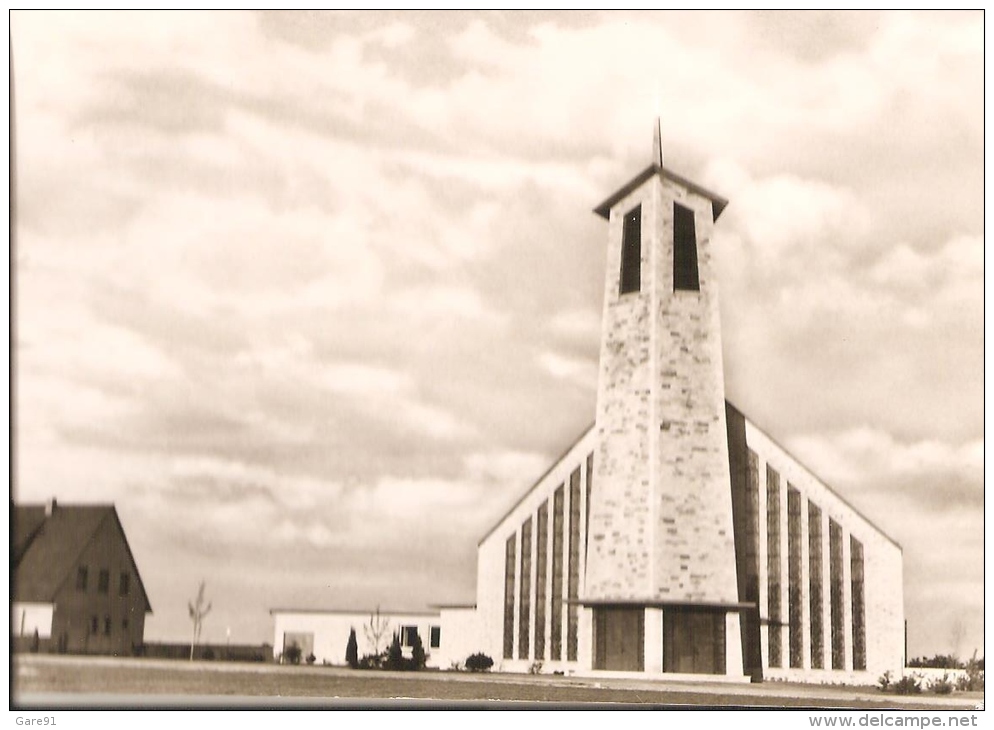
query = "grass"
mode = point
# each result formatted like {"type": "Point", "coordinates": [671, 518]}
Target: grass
{"type": "Point", "coordinates": [78, 681]}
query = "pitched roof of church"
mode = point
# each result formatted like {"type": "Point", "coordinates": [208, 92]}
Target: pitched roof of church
{"type": "Point", "coordinates": [46, 545]}
{"type": "Point", "coordinates": [718, 203]}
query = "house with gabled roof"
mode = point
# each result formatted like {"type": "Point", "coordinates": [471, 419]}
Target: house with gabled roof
{"type": "Point", "coordinates": [75, 585]}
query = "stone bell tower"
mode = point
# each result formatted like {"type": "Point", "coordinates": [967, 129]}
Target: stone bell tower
{"type": "Point", "coordinates": [660, 525]}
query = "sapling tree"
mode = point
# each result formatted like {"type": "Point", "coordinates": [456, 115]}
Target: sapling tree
{"type": "Point", "coordinates": [197, 613]}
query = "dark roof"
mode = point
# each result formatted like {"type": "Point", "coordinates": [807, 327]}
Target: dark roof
{"type": "Point", "coordinates": [46, 547]}
{"type": "Point", "coordinates": [718, 203]}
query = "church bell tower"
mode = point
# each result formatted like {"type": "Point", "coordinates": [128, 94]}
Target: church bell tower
{"type": "Point", "coordinates": [661, 554]}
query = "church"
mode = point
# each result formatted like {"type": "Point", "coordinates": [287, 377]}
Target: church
{"type": "Point", "coordinates": [676, 538]}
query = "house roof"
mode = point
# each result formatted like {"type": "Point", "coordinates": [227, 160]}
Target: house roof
{"type": "Point", "coordinates": [718, 203]}
{"type": "Point", "coordinates": [46, 547]}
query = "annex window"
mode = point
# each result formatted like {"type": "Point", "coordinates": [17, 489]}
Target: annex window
{"type": "Point", "coordinates": [407, 635]}
{"type": "Point", "coordinates": [773, 565]}
{"type": "Point", "coordinates": [858, 604]}
{"type": "Point", "coordinates": [794, 605]}
{"type": "Point", "coordinates": [573, 579]}
{"type": "Point", "coordinates": [684, 250]}
{"type": "Point", "coordinates": [103, 581]}
{"type": "Point", "coordinates": [525, 594]}
{"type": "Point", "coordinates": [631, 251]}
{"type": "Point", "coordinates": [82, 575]}
{"type": "Point", "coordinates": [541, 571]}
{"type": "Point", "coordinates": [124, 586]}
{"type": "Point", "coordinates": [509, 598]}
{"type": "Point", "coordinates": [815, 596]}
{"type": "Point", "coordinates": [435, 637]}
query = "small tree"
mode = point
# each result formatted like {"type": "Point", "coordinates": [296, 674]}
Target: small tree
{"type": "Point", "coordinates": [352, 650]}
{"type": "Point", "coordinates": [418, 658]}
{"type": "Point", "coordinates": [376, 630]}
{"type": "Point", "coordinates": [395, 655]}
{"type": "Point", "coordinates": [197, 613]}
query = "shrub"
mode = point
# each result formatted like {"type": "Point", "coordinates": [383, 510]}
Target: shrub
{"type": "Point", "coordinates": [418, 657]}
{"type": "Point", "coordinates": [395, 655]}
{"type": "Point", "coordinates": [311, 658]}
{"type": "Point", "coordinates": [973, 681]}
{"type": "Point", "coordinates": [352, 650]}
{"type": "Point", "coordinates": [209, 654]}
{"type": "Point", "coordinates": [941, 686]}
{"type": "Point", "coordinates": [371, 661]}
{"type": "Point", "coordinates": [479, 662]}
{"type": "Point", "coordinates": [908, 685]}
{"type": "Point", "coordinates": [883, 684]}
{"type": "Point", "coordinates": [292, 654]}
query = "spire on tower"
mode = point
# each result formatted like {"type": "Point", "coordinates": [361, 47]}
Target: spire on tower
{"type": "Point", "coordinates": [657, 144]}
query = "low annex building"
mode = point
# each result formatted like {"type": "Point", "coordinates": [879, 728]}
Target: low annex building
{"type": "Point", "coordinates": [75, 586]}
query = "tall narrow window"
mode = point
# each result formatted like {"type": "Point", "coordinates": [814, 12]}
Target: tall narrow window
{"type": "Point", "coordinates": [541, 571]}
{"type": "Point", "coordinates": [794, 606]}
{"type": "Point", "coordinates": [590, 483]}
{"type": "Point", "coordinates": [103, 581]}
{"type": "Point", "coordinates": [836, 598]}
{"type": "Point", "coordinates": [435, 637]}
{"type": "Point", "coordinates": [573, 581]}
{"type": "Point", "coordinates": [773, 565]}
{"type": "Point", "coordinates": [125, 584]}
{"type": "Point", "coordinates": [509, 598]}
{"type": "Point", "coordinates": [631, 251]}
{"type": "Point", "coordinates": [82, 576]}
{"type": "Point", "coordinates": [684, 250]}
{"type": "Point", "coordinates": [858, 604]}
{"type": "Point", "coordinates": [525, 600]}
{"type": "Point", "coordinates": [815, 597]}
{"type": "Point", "coordinates": [556, 631]}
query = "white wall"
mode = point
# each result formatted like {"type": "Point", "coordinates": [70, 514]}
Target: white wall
{"type": "Point", "coordinates": [331, 632]}
{"type": "Point", "coordinates": [26, 618]}
{"type": "Point", "coordinates": [461, 637]}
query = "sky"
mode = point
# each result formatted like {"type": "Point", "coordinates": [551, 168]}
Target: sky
{"type": "Point", "coordinates": [313, 297]}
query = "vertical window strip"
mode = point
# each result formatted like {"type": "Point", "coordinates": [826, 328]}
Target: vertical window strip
{"type": "Point", "coordinates": [836, 596]}
{"type": "Point", "coordinates": [573, 582]}
{"type": "Point", "coordinates": [631, 251]}
{"type": "Point", "coordinates": [815, 591]}
{"type": "Point", "coordinates": [773, 565]}
{"type": "Point", "coordinates": [858, 605]}
{"type": "Point", "coordinates": [752, 528]}
{"type": "Point", "coordinates": [590, 482]}
{"type": "Point", "coordinates": [524, 602]}
{"type": "Point", "coordinates": [541, 568]}
{"type": "Point", "coordinates": [509, 598]}
{"type": "Point", "coordinates": [794, 607]}
{"type": "Point", "coordinates": [685, 274]}
{"type": "Point", "coordinates": [556, 630]}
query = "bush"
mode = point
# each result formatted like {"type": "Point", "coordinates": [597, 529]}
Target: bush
{"type": "Point", "coordinates": [883, 684]}
{"type": "Point", "coordinates": [479, 662]}
{"type": "Point", "coordinates": [973, 681]}
{"type": "Point", "coordinates": [395, 655]}
{"type": "Point", "coordinates": [418, 657]}
{"type": "Point", "coordinates": [352, 650]}
{"type": "Point", "coordinates": [908, 685]}
{"type": "Point", "coordinates": [292, 654]}
{"type": "Point", "coordinates": [311, 658]}
{"type": "Point", "coordinates": [372, 661]}
{"type": "Point", "coordinates": [209, 654]}
{"type": "Point", "coordinates": [941, 686]}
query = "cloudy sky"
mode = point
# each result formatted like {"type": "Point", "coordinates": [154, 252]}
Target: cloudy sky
{"type": "Point", "coordinates": [313, 297]}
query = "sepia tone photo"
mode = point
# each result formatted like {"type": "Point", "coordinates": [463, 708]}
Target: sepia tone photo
{"type": "Point", "coordinates": [586, 359]}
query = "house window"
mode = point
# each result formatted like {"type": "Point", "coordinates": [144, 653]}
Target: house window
{"type": "Point", "coordinates": [125, 585]}
{"type": "Point", "coordinates": [631, 251]}
{"type": "Point", "coordinates": [435, 637]}
{"type": "Point", "coordinates": [103, 581]}
{"type": "Point", "coordinates": [684, 250]}
{"type": "Point", "coordinates": [81, 578]}
{"type": "Point", "coordinates": [106, 625]}
{"type": "Point", "coordinates": [407, 635]}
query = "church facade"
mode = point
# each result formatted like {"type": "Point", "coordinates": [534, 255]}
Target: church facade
{"type": "Point", "coordinates": [676, 538]}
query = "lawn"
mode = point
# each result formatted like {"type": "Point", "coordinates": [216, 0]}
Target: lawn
{"type": "Point", "coordinates": [46, 681]}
